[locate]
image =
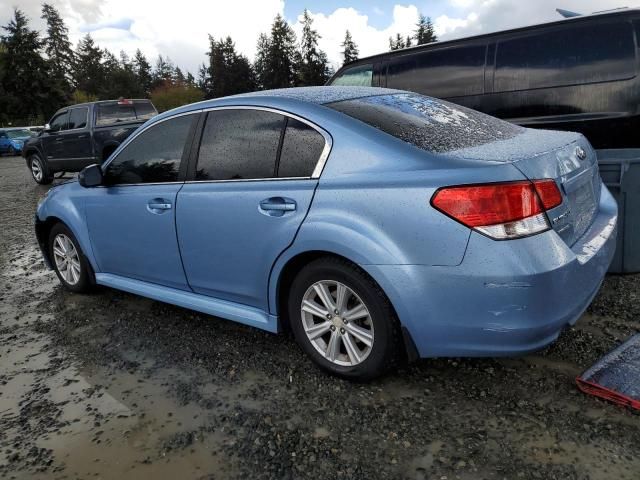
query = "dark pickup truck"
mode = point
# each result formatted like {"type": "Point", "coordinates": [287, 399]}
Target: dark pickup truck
{"type": "Point", "coordinates": [83, 134]}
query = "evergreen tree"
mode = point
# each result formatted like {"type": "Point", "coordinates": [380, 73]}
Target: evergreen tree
{"type": "Point", "coordinates": [88, 71]}
{"type": "Point", "coordinates": [313, 68]}
{"type": "Point", "coordinates": [190, 80]}
{"type": "Point", "coordinates": [424, 32]}
{"type": "Point", "coordinates": [408, 42]}
{"type": "Point", "coordinates": [259, 65]}
{"type": "Point", "coordinates": [229, 72]}
{"type": "Point", "coordinates": [178, 76]}
{"type": "Point", "coordinates": [282, 56]}
{"type": "Point", "coordinates": [59, 57]}
{"type": "Point", "coordinates": [163, 72]}
{"type": "Point", "coordinates": [396, 43]}
{"type": "Point", "coordinates": [203, 82]}
{"type": "Point", "coordinates": [142, 69]}
{"type": "Point", "coordinates": [350, 49]}
{"type": "Point", "coordinates": [26, 74]}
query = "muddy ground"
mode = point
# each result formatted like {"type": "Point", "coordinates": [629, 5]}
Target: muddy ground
{"type": "Point", "coordinates": [116, 386]}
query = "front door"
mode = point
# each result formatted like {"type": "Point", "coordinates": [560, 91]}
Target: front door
{"type": "Point", "coordinates": [254, 185]}
{"type": "Point", "coordinates": [131, 219]}
{"type": "Point", "coordinates": [52, 140]}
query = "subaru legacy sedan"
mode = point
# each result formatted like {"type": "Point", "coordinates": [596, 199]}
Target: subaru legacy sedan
{"type": "Point", "coordinates": [377, 225]}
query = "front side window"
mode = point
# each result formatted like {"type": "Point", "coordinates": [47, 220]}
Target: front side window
{"type": "Point", "coordinates": [239, 144]}
{"type": "Point", "coordinates": [360, 76]}
{"type": "Point", "coordinates": [59, 122]}
{"type": "Point", "coordinates": [433, 125]}
{"type": "Point", "coordinates": [154, 156]}
{"type": "Point", "coordinates": [78, 117]}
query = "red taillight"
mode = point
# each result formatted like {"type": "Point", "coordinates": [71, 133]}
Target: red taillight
{"type": "Point", "coordinates": [500, 210]}
{"type": "Point", "coordinates": [124, 101]}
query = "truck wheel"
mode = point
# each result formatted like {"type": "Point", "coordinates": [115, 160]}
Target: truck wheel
{"type": "Point", "coordinates": [39, 170]}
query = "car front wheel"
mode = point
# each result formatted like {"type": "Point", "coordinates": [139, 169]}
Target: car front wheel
{"type": "Point", "coordinates": [343, 320]}
{"type": "Point", "coordinates": [71, 266]}
{"type": "Point", "coordinates": [39, 170]}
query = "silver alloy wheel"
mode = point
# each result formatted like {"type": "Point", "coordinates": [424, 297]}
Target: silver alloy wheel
{"type": "Point", "coordinates": [337, 323]}
{"type": "Point", "coordinates": [67, 258]}
{"type": "Point", "coordinates": [36, 169]}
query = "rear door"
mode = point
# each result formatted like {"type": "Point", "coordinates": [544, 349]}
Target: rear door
{"type": "Point", "coordinates": [76, 138]}
{"type": "Point", "coordinates": [131, 219]}
{"type": "Point", "coordinates": [252, 185]}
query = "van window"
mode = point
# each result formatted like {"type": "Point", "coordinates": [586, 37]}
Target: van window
{"type": "Point", "coordinates": [359, 76]}
{"type": "Point", "coordinates": [445, 73]}
{"type": "Point", "coordinates": [426, 123]}
{"type": "Point", "coordinates": [570, 55]}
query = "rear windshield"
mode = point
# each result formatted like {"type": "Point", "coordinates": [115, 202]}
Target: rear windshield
{"type": "Point", "coordinates": [432, 125]}
{"type": "Point", "coordinates": [18, 133]}
{"type": "Point", "coordinates": [110, 113]}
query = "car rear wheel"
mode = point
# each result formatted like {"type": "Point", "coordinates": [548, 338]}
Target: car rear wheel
{"type": "Point", "coordinates": [39, 170]}
{"type": "Point", "coordinates": [71, 266]}
{"type": "Point", "coordinates": [343, 320]}
{"type": "Point", "coordinates": [12, 151]}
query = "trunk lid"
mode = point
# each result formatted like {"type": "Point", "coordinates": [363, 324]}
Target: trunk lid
{"type": "Point", "coordinates": [566, 157]}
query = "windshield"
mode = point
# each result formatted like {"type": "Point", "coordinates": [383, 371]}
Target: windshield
{"type": "Point", "coordinates": [18, 133]}
{"type": "Point", "coordinates": [427, 123]}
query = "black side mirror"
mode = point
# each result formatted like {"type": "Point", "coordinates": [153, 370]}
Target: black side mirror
{"type": "Point", "coordinates": [90, 176]}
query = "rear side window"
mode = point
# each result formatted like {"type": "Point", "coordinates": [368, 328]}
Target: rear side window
{"type": "Point", "coordinates": [301, 150]}
{"type": "Point", "coordinates": [429, 124]}
{"type": "Point", "coordinates": [359, 76]}
{"type": "Point", "coordinates": [569, 56]}
{"type": "Point", "coordinates": [154, 156]}
{"type": "Point", "coordinates": [451, 72]}
{"type": "Point", "coordinates": [78, 117]}
{"type": "Point", "coordinates": [110, 113]}
{"type": "Point", "coordinates": [239, 144]}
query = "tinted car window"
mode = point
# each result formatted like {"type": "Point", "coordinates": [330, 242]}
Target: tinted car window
{"type": "Point", "coordinates": [360, 76]}
{"type": "Point", "coordinates": [450, 72]}
{"type": "Point", "coordinates": [78, 117]}
{"type": "Point", "coordinates": [110, 113]}
{"type": "Point", "coordinates": [59, 122]}
{"type": "Point", "coordinates": [568, 56]}
{"type": "Point", "coordinates": [239, 144]}
{"type": "Point", "coordinates": [433, 125]}
{"type": "Point", "coordinates": [153, 156]}
{"type": "Point", "coordinates": [301, 150]}
{"type": "Point", "coordinates": [144, 109]}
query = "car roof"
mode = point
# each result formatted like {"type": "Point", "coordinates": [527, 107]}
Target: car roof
{"type": "Point", "coordinates": [284, 97]}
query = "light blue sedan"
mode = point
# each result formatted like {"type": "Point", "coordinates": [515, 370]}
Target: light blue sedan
{"type": "Point", "coordinates": [377, 225]}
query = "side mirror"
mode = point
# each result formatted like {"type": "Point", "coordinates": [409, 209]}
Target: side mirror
{"type": "Point", "coordinates": [90, 176]}
{"type": "Point", "coordinates": [47, 127]}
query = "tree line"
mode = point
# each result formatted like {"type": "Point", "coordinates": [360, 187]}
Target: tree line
{"type": "Point", "coordinates": [40, 73]}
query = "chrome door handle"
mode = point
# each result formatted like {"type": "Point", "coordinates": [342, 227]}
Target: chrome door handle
{"type": "Point", "coordinates": [281, 207]}
{"type": "Point", "coordinates": [160, 206]}
{"type": "Point", "coordinates": [277, 206]}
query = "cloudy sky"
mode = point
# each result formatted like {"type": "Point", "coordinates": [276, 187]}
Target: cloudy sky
{"type": "Point", "coordinates": [179, 29]}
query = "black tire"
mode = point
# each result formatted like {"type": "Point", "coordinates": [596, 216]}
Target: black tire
{"type": "Point", "coordinates": [86, 278]}
{"type": "Point", "coordinates": [12, 151]}
{"type": "Point", "coordinates": [385, 350]}
{"type": "Point", "coordinates": [46, 177]}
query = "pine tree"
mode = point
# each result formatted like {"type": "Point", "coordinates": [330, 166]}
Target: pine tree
{"type": "Point", "coordinates": [313, 68]}
{"type": "Point", "coordinates": [59, 57]}
{"type": "Point", "coordinates": [282, 56]}
{"type": "Point", "coordinates": [408, 42]}
{"type": "Point", "coordinates": [26, 73]}
{"type": "Point", "coordinates": [229, 72]}
{"type": "Point", "coordinates": [190, 80]}
{"type": "Point", "coordinates": [88, 71]}
{"type": "Point", "coordinates": [163, 72]}
{"type": "Point", "coordinates": [178, 76]}
{"type": "Point", "coordinates": [142, 69]}
{"type": "Point", "coordinates": [259, 65]}
{"type": "Point", "coordinates": [350, 49]}
{"type": "Point", "coordinates": [204, 82]}
{"type": "Point", "coordinates": [397, 42]}
{"type": "Point", "coordinates": [424, 32]}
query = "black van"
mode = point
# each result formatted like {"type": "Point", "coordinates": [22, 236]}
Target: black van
{"type": "Point", "coordinates": [578, 74]}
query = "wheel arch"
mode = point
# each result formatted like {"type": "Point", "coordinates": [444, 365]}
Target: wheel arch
{"type": "Point", "coordinates": [287, 272]}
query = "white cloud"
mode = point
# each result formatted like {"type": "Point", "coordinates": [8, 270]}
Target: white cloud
{"type": "Point", "coordinates": [181, 30]}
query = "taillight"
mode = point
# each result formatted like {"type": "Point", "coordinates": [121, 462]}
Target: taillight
{"type": "Point", "coordinates": [501, 210]}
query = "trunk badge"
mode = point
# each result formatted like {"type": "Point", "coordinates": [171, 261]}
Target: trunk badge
{"type": "Point", "coordinates": [580, 153]}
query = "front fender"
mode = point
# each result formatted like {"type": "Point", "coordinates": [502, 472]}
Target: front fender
{"type": "Point", "coordinates": [66, 204]}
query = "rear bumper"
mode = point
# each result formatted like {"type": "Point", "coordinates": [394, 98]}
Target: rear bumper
{"type": "Point", "coordinates": [505, 298]}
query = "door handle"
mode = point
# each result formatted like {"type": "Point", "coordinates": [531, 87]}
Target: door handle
{"type": "Point", "coordinates": [277, 206]}
{"type": "Point", "coordinates": [159, 205]}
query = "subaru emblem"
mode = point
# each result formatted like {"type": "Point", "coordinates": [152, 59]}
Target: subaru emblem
{"type": "Point", "coordinates": [580, 153]}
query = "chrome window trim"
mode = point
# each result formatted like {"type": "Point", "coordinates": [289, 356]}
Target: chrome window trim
{"type": "Point", "coordinates": [322, 159]}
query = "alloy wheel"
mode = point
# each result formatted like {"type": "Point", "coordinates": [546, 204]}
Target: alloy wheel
{"type": "Point", "coordinates": [67, 259]}
{"type": "Point", "coordinates": [337, 323]}
{"type": "Point", "coordinates": [36, 169]}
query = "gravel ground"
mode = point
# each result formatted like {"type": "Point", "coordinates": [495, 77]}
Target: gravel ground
{"type": "Point", "coordinates": [115, 386]}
